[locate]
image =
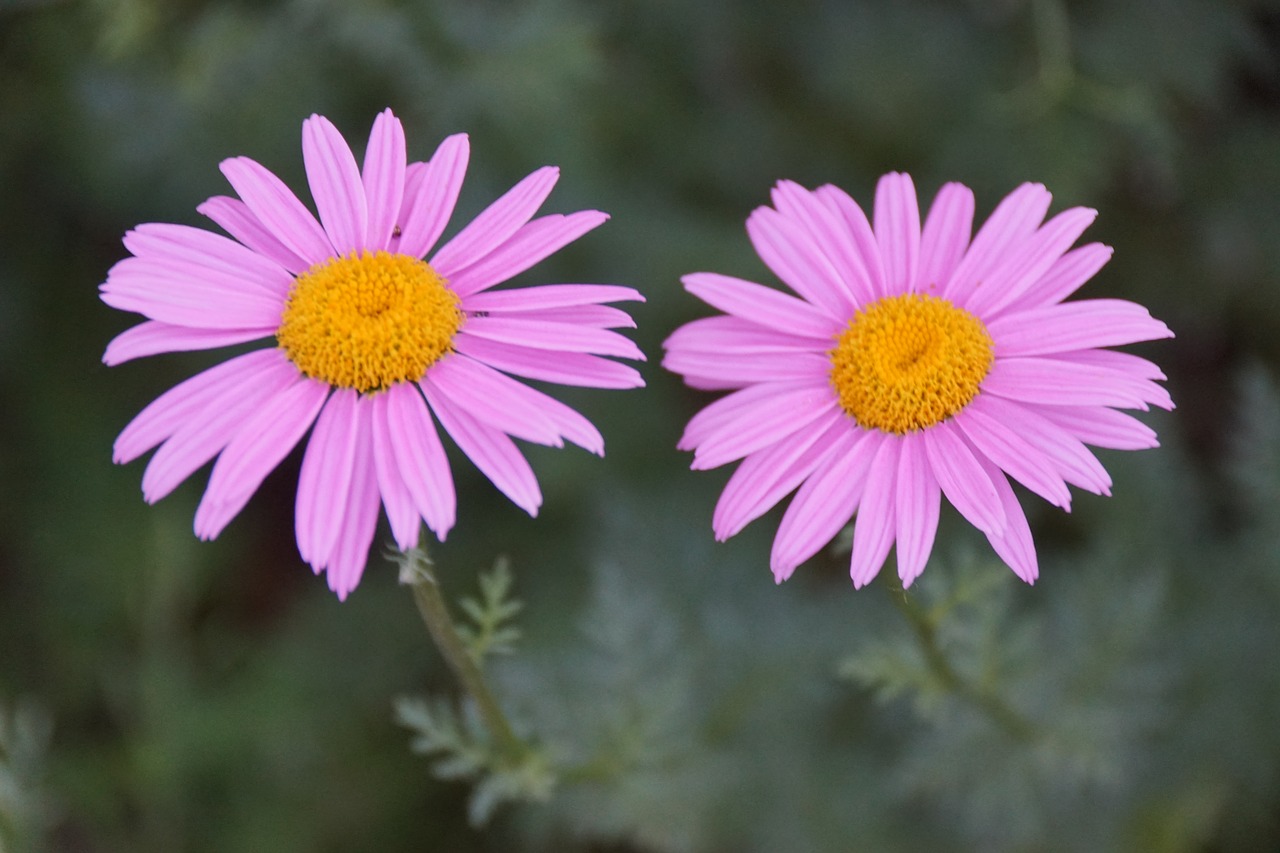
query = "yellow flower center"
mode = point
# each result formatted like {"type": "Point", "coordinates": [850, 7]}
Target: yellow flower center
{"type": "Point", "coordinates": [908, 362]}
{"type": "Point", "coordinates": [368, 320]}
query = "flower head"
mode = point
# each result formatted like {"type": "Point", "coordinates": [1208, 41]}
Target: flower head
{"type": "Point", "coordinates": [374, 330]}
{"type": "Point", "coordinates": [916, 363]}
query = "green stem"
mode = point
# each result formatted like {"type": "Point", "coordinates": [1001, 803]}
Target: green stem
{"type": "Point", "coordinates": [416, 572]}
{"type": "Point", "coordinates": [999, 711]}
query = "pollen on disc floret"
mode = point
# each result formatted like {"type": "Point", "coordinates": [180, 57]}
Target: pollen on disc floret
{"type": "Point", "coordinates": [907, 362]}
{"type": "Point", "coordinates": [368, 320]}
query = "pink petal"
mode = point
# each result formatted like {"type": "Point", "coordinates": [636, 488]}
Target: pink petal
{"type": "Point", "coordinates": [212, 426]}
{"type": "Point", "coordinates": [419, 456]}
{"type": "Point", "coordinates": [766, 477]}
{"type": "Point", "coordinates": [488, 396]}
{"type": "Point", "coordinates": [859, 236]}
{"type": "Point", "coordinates": [780, 415]}
{"type": "Point", "coordinates": [188, 400]}
{"type": "Point", "coordinates": [1014, 544]}
{"type": "Point", "coordinates": [275, 206]}
{"type": "Point", "coordinates": [1029, 261]}
{"type": "Point", "coordinates": [596, 316]}
{"type": "Point", "coordinates": [1065, 383]}
{"type": "Point", "coordinates": [234, 217]}
{"type": "Point", "coordinates": [825, 501]}
{"type": "Point", "coordinates": [1101, 427]}
{"type": "Point", "coordinates": [430, 194]}
{"type": "Point", "coordinates": [189, 295]}
{"type": "Point", "coordinates": [1071, 326]}
{"type": "Point", "coordinates": [919, 500]}
{"type": "Point", "coordinates": [897, 230]}
{"type": "Point", "coordinates": [831, 239]}
{"type": "Point", "coordinates": [491, 451]}
{"type": "Point", "coordinates": [335, 184]}
{"type": "Point", "coordinates": [873, 529]}
{"type": "Point", "coordinates": [548, 296]}
{"type": "Point", "coordinates": [151, 337]}
{"type": "Point", "coordinates": [325, 481]}
{"type": "Point", "coordinates": [1065, 277]}
{"type": "Point", "coordinates": [346, 564]}
{"type": "Point", "coordinates": [263, 440]}
{"type": "Point", "coordinates": [186, 247]}
{"type": "Point", "coordinates": [496, 223]}
{"type": "Point", "coordinates": [791, 254]}
{"type": "Point", "coordinates": [534, 242]}
{"type": "Point", "coordinates": [1061, 450]}
{"type": "Point", "coordinates": [962, 478]}
{"type": "Point", "coordinates": [565, 368]}
{"type": "Point", "coordinates": [762, 305]}
{"type": "Point", "coordinates": [945, 236]}
{"type": "Point", "coordinates": [1015, 219]}
{"type": "Point", "coordinates": [745, 366]}
{"type": "Point", "coordinates": [1003, 445]}
{"type": "Point", "coordinates": [1126, 363]}
{"type": "Point", "coordinates": [559, 337]}
{"type": "Point", "coordinates": [383, 176]}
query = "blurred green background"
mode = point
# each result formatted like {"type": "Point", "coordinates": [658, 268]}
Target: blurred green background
{"type": "Point", "coordinates": [162, 694]}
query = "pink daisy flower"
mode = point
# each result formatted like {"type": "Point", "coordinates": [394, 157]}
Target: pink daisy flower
{"type": "Point", "coordinates": [915, 363]}
{"type": "Point", "coordinates": [367, 342]}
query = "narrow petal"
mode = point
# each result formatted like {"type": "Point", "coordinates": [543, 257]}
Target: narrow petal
{"type": "Point", "coordinates": [547, 296]}
{"type": "Point", "coordinates": [763, 305]}
{"type": "Point", "coordinates": [830, 238]}
{"type": "Point", "coordinates": [350, 554]}
{"type": "Point", "coordinates": [152, 337]}
{"type": "Point", "coordinates": [565, 368]}
{"type": "Point", "coordinates": [1061, 450]}
{"type": "Point", "coordinates": [1014, 544]}
{"type": "Point", "coordinates": [496, 223]}
{"type": "Point", "coordinates": [324, 482]}
{"type": "Point", "coordinates": [558, 337]}
{"type": "Point", "coordinates": [766, 477]}
{"type": "Point", "coordinates": [897, 230]}
{"type": "Point", "coordinates": [335, 184]}
{"type": "Point", "coordinates": [1068, 383]}
{"type": "Point", "coordinates": [212, 426]}
{"type": "Point", "coordinates": [1101, 427]}
{"type": "Point", "coordinates": [383, 177]}
{"type": "Point", "coordinates": [1028, 261]}
{"type": "Point", "coordinates": [739, 368]}
{"type": "Point", "coordinates": [1126, 363]}
{"type": "Point", "coordinates": [726, 413]}
{"type": "Point", "coordinates": [431, 192]}
{"type": "Point", "coordinates": [825, 502]}
{"type": "Point", "coordinates": [791, 254]}
{"type": "Point", "coordinates": [492, 452]}
{"type": "Point", "coordinates": [919, 500]}
{"type": "Point", "coordinates": [534, 242]}
{"type": "Point", "coordinates": [860, 236]}
{"type": "Point", "coordinates": [491, 398]}
{"type": "Point", "coordinates": [945, 236]}
{"type": "Point", "coordinates": [1071, 326]}
{"type": "Point", "coordinates": [595, 316]}
{"type": "Point", "coordinates": [263, 440]}
{"type": "Point", "coordinates": [189, 295]}
{"type": "Point", "coordinates": [186, 401]}
{"type": "Point", "coordinates": [962, 478]}
{"type": "Point", "coordinates": [873, 529]}
{"type": "Point", "coordinates": [420, 457]}
{"type": "Point", "coordinates": [1003, 445]}
{"type": "Point", "coordinates": [774, 419]}
{"type": "Point", "coordinates": [275, 206]}
{"type": "Point", "coordinates": [233, 216]}
{"type": "Point", "coordinates": [1065, 277]}
{"type": "Point", "coordinates": [182, 246]}
{"type": "Point", "coordinates": [1015, 219]}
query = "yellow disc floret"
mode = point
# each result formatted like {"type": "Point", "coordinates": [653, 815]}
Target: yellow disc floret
{"type": "Point", "coordinates": [908, 362]}
{"type": "Point", "coordinates": [368, 320]}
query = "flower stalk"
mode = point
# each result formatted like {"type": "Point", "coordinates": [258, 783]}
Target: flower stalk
{"type": "Point", "coordinates": [416, 573]}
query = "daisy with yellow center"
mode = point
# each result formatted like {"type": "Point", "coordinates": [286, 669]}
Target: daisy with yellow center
{"type": "Point", "coordinates": [916, 363]}
{"type": "Point", "coordinates": [371, 333]}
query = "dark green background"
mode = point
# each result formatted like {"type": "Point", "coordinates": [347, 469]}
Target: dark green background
{"type": "Point", "coordinates": [216, 696]}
